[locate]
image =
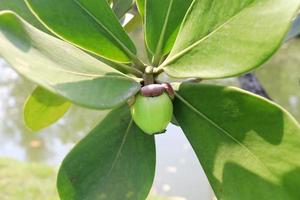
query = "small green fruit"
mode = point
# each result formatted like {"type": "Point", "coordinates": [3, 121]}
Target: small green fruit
{"type": "Point", "coordinates": [152, 114]}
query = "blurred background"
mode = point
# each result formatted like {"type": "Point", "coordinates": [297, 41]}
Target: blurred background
{"type": "Point", "coordinates": [29, 161]}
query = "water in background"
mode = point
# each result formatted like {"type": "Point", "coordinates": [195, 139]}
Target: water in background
{"type": "Point", "coordinates": [178, 171]}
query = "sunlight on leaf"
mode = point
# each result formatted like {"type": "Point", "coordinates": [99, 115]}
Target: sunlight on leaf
{"type": "Point", "coordinates": [43, 108]}
{"type": "Point", "coordinates": [226, 38]}
{"type": "Point", "coordinates": [248, 146]}
{"type": "Point", "coordinates": [91, 25]}
{"type": "Point", "coordinates": [61, 68]}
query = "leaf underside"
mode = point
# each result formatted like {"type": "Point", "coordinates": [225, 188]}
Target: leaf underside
{"type": "Point", "coordinates": [61, 68]}
{"type": "Point", "coordinates": [43, 108]}
{"type": "Point", "coordinates": [248, 146]}
{"type": "Point", "coordinates": [19, 7]}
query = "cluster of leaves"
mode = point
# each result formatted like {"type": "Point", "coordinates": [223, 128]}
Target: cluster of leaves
{"type": "Point", "coordinates": [78, 52]}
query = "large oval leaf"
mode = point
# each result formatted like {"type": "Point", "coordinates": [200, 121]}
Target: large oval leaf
{"type": "Point", "coordinates": [226, 38]}
{"type": "Point", "coordinates": [115, 161]}
{"type": "Point", "coordinates": [62, 68]}
{"type": "Point", "coordinates": [43, 108]}
{"type": "Point", "coordinates": [89, 24]}
{"type": "Point", "coordinates": [162, 22]}
{"type": "Point", "coordinates": [248, 146]}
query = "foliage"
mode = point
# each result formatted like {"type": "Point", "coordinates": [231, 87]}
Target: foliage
{"type": "Point", "coordinates": [43, 108]}
{"type": "Point", "coordinates": [94, 175]}
{"type": "Point", "coordinates": [248, 146]}
{"type": "Point", "coordinates": [225, 118]}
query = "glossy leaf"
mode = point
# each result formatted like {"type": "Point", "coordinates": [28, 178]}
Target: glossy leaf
{"type": "Point", "coordinates": [162, 22]}
{"type": "Point", "coordinates": [89, 24]}
{"type": "Point", "coordinates": [61, 68]}
{"type": "Point", "coordinates": [248, 146]}
{"type": "Point", "coordinates": [19, 7]}
{"type": "Point", "coordinates": [43, 108]}
{"type": "Point", "coordinates": [226, 38]}
{"type": "Point", "coordinates": [121, 7]}
{"type": "Point", "coordinates": [115, 161]}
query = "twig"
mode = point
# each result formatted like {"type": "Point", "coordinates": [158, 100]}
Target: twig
{"type": "Point", "coordinates": [250, 83]}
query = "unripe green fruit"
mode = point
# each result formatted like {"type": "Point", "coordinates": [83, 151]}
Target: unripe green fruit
{"type": "Point", "coordinates": [152, 114]}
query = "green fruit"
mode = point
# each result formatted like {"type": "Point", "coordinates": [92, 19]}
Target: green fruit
{"type": "Point", "coordinates": [152, 114]}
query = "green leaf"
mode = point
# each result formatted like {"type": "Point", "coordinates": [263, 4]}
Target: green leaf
{"type": "Point", "coordinates": [141, 7]}
{"type": "Point", "coordinates": [43, 108]}
{"type": "Point", "coordinates": [121, 7]}
{"type": "Point", "coordinates": [115, 161]}
{"type": "Point", "coordinates": [89, 24]}
{"type": "Point", "coordinates": [162, 22]}
{"type": "Point", "coordinates": [19, 7]}
{"type": "Point", "coordinates": [248, 146]}
{"type": "Point", "coordinates": [61, 68]}
{"type": "Point", "coordinates": [133, 23]}
{"type": "Point", "coordinates": [225, 38]}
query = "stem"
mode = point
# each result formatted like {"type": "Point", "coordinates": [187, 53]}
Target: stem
{"type": "Point", "coordinates": [250, 83]}
{"type": "Point", "coordinates": [130, 70]}
{"type": "Point", "coordinates": [148, 76]}
{"type": "Point", "coordinates": [156, 60]}
{"type": "Point", "coordinates": [138, 64]}
{"type": "Point", "coordinates": [157, 70]}
{"type": "Point", "coordinates": [126, 69]}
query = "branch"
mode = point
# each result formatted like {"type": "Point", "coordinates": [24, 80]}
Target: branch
{"type": "Point", "coordinates": [295, 29]}
{"type": "Point", "coordinates": [250, 83]}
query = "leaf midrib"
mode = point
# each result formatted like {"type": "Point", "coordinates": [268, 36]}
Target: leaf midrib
{"type": "Point", "coordinates": [119, 151]}
{"type": "Point", "coordinates": [158, 49]}
{"type": "Point", "coordinates": [118, 155]}
{"type": "Point", "coordinates": [190, 47]}
{"type": "Point", "coordinates": [89, 75]}
{"type": "Point", "coordinates": [189, 105]}
{"type": "Point", "coordinates": [123, 46]}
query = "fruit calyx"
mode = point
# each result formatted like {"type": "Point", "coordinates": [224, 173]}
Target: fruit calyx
{"type": "Point", "coordinates": [154, 90]}
{"type": "Point", "coordinates": [152, 109]}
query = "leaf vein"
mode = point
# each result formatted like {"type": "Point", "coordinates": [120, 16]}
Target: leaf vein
{"type": "Point", "coordinates": [119, 152]}
{"type": "Point", "coordinates": [158, 50]}
{"type": "Point", "coordinates": [190, 47]}
{"type": "Point", "coordinates": [128, 52]}
{"type": "Point", "coordinates": [189, 105]}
